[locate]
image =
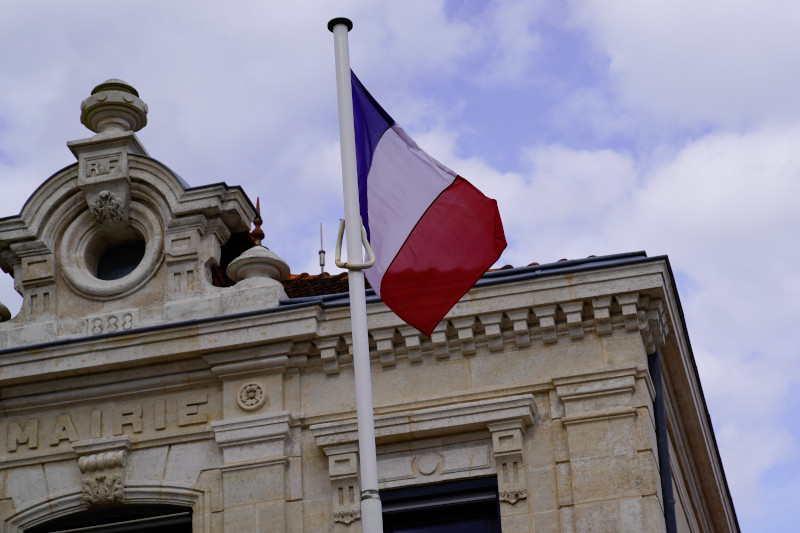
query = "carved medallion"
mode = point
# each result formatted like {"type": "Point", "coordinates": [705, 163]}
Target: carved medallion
{"type": "Point", "coordinates": [427, 463]}
{"type": "Point", "coordinates": [251, 396]}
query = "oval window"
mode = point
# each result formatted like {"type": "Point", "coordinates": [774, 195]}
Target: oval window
{"type": "Point", "coordinates": [120, 260]}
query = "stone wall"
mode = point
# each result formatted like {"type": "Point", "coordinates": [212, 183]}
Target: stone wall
{"type": "Point", "coordinates": [250, 420]}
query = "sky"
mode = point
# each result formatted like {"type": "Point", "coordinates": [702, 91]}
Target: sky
{"type": "Point", "coordinates": [599, 126]}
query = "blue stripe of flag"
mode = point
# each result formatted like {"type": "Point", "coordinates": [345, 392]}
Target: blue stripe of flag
{"type": "Point", "coordinates": [371, 122]}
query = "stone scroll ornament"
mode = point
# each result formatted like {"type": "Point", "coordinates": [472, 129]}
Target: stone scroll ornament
{"type": "Point", "coordinates": [103, 478]}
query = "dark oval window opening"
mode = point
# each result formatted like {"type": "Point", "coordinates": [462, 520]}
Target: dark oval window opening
{"type": "Point", "coordinates": [120, 260]}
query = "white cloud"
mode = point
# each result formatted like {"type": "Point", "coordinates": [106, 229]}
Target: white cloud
{"type": "Point", "coordinates": [684, 62]}
{"type": "Point", "coordinates": [514, 46]}
{"type": "Point", "coordinates": [754, 449]}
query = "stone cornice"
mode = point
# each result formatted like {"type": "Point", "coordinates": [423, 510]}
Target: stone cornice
{"type": "Point", "coordinates": [484, 321]}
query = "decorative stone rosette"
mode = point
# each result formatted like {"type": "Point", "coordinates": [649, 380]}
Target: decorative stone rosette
{"type": "Point", "coordinates": [251, 396]}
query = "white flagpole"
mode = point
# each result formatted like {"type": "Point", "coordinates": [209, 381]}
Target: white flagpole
{"type": "Point", "coordinates": [371, 514]}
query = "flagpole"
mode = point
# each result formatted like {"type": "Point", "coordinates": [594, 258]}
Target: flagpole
{"type": "Point", "coordinates": [371, 513]}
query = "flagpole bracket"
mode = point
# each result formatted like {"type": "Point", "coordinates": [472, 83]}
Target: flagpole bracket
{"type": "Point", "coordinates": [338, 253]}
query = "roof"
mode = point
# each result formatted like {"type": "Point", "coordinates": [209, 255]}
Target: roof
{"type": "Point", "coordinates": [309, 285]}
{"type": "Point", "coordinates": [332, 290]}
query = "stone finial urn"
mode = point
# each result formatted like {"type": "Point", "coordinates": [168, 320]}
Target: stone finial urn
{"type": "Point", "coordinates": [258, 262]}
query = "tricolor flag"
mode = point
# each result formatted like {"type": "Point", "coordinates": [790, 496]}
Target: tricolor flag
{"type": "Point", "coordinates": [433, 233]}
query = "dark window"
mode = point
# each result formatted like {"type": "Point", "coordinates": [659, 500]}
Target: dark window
{"type": "Point", "coordinates": [120, 260]}
{"type": "Point", "coordinates": [128, 518]}
{"type": "Point", "coordinates": [468, 506]}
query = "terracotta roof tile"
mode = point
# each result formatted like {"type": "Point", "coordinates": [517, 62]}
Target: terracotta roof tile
{"type": "Point", "coordinates": [301, 285]}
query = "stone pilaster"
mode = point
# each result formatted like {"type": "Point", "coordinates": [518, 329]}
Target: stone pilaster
{"type": "Point", "coordinates": [610, 469]}
{"type": "Point", "coordinates": [257, 470]}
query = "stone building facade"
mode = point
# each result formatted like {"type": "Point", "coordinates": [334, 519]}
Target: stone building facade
{"type": "Point", "coordinates": [134, 387]}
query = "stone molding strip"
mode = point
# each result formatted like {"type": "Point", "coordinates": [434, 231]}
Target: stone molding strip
{"type": "Point", "coordinates": [433, 421]}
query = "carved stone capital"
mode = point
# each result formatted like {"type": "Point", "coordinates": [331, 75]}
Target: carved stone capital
{"type": "Point", "coordinates": [600, 393]}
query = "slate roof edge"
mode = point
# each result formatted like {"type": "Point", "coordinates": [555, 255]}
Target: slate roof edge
{"type": "Point", "coordinates": [499, 276]}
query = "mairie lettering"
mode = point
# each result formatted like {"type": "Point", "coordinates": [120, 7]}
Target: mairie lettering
{"type": "Point", "coordinates": [133, 418]}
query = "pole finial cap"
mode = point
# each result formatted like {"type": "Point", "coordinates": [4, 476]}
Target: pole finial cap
{"type": "Point", "coordinates": [340, 20]}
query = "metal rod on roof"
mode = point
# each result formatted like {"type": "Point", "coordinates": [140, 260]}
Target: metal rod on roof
{"type": "Point", "coordinates": [321, 252]}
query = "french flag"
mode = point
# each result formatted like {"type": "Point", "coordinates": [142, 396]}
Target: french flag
{"type": "Point", "coordinates": [433, 233]}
